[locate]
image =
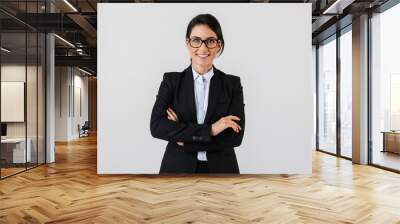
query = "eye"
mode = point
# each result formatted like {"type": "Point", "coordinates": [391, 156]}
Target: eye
{"type": "Point", "coordinates": [196, 40]}
{"type": "Point", "coordinates": [211, 41]}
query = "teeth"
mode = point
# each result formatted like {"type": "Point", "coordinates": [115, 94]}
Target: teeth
{"type": "Point", "coordinates": [202, 55]}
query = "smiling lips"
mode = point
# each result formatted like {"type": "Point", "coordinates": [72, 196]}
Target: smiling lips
{"type": "Point", "coordinates": [203, 55]}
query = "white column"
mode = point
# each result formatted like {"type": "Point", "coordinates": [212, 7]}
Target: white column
{"type": "Point", "coordinates": [50, 92]}
{"type": "Point", "coordinates": [50, 100]}
{"type": "Point", "coordinates": [360, 90]}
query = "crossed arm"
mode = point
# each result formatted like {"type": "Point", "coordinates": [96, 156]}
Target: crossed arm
{"type": "Point", "coordinates": [227, 132]}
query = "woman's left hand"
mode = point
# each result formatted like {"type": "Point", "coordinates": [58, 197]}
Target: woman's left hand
{"type": "Point", "coordinates": [173, 117]}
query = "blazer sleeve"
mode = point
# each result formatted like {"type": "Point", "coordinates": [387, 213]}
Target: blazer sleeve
{"type": "Point", "coordinates": [227, 138]}
{"type": "Point", "coordinates": [163, 128]}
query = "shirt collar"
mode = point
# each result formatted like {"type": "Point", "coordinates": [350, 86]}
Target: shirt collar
{"type": "Point", "coordinates": [208, 75]}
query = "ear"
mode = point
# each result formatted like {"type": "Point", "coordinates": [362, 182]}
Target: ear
{"type": "Point", "coordinates": [187, 45]}
{"type": "Point", "coordinates": [219, 47]}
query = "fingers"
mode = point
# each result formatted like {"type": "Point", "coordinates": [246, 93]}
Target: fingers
{"type": "Point", "coordinates": [169, 116]}
{"type": "Point", "coordinates": [236, 127]}
{"type": "Point", "coordinates": [233, 117]}
{"type": "Point", "coordinates": [228, 123]}
{"type": "Point", "coordinates": [172, 114]}
{"type": "Point", "coordinates": [233, 125]}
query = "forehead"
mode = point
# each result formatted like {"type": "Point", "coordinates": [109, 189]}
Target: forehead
{"type": "Point", "coordinates": [202, 31]}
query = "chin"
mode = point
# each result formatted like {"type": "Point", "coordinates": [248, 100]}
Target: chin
{"type": "Point", "coordinates": [203, 63]}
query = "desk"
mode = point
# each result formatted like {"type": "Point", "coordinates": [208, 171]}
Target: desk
{"type": "Point", "coordinates": [13, 150]}
{"type": "Point", "coordinates": [391, 141]}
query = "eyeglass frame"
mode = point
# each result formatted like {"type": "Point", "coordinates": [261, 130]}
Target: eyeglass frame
{"type": "Point", "coordinates": [203, 41]}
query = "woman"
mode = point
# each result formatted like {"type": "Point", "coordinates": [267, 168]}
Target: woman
{"type": "Point", "coordinates": [200, 111]}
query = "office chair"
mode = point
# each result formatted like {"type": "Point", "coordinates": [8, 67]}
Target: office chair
{"type": "Point", "coordinates": [84, 130]}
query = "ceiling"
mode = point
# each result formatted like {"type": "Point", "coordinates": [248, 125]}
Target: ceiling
{"type": "Point", "coordinates": [76, 22]}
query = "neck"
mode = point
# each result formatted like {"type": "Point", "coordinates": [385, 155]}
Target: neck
{"type": "Point", "coordinates": [201, 69]}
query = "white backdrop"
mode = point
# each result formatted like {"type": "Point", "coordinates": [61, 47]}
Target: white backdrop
{"type": "Point", "coordinates": [267, 45]}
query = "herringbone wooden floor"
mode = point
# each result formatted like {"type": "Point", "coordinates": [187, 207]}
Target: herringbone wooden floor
{"type": "Point", "coordinates": [70, 191]}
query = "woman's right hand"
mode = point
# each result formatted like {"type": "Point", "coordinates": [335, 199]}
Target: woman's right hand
{"type": "Point", "coordinates": [224, 123]}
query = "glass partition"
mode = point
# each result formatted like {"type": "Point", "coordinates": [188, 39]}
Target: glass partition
{"type": "Point", "coordinates": [385, 89]}
{"type": "Point", "coordinates": [327, 96]}
{"type": "Point", "coordinates": [14, 153]}
{"type": "Point", "coordinates": [32, 95]}
{"type": "Point", "coordinates": [22, 77]}
{"type": "Point", "coordinates": [346, 93]}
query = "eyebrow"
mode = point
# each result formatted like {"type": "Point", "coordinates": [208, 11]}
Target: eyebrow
{"type": "Point", "coordinates": [205, 39]}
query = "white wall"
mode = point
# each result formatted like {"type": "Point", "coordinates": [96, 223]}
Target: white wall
{"type": "Point", "coordinates": [68, 81]}
{"type": "Point", "coordinates": [267, 45]}
{"type": "Point", "coordinates": [61, 103]}
{"type": "Point", "coordinates": [314, 81]}
{"type": "Point", "coordinates": [79, 117]}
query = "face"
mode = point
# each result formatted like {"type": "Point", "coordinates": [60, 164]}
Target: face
{"type": "Point", "coordinates": [203, 56]}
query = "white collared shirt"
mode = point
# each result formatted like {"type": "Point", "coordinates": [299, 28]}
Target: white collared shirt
{"type": "Point", "coordinates": [200, 119]}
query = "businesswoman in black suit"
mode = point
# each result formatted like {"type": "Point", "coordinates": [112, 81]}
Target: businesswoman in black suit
{"type": "Point", "coordinates": [200, 111]}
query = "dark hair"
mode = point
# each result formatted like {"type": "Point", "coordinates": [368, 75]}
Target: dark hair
{"type": "Point", "coordinates": [210, 21]}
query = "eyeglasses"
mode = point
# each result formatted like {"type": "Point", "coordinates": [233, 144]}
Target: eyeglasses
{"type": "Point", "coordinates": [210, 43]}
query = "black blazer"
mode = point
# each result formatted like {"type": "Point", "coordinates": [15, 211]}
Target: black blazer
{"type": "Point", "coordinates": [225, 98]}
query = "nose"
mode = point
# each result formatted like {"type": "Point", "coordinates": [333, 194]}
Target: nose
{"type": "Point", "coordinates": [203, 47]}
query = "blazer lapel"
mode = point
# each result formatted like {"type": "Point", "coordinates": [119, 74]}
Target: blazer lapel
{"type": "Point", "coordinates": [213, 94]}
{"type": "Point", "coordinates": [191, 100]}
